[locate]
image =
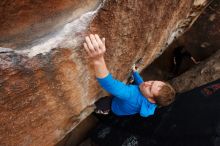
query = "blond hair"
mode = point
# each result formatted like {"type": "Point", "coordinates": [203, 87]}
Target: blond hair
{"type": "Point", "coordinates": [166, 95]}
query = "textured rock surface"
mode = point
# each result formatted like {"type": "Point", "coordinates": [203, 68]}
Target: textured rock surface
{"type": "Point", "coordinates": [208, 70]}
{"type": "Point", "coordinates": [45, 81]}
{"type": "Point", "coordinates": [205, 72]}
{"type": "Point", "coordinates": [24, 22]}
{"type": "Point", "coordinates": [200, 46]}
{"type": "Point", "coordinates": [204, 35]}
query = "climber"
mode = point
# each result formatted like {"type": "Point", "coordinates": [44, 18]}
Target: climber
{"type": "Point", "coordinates": [142, 98]}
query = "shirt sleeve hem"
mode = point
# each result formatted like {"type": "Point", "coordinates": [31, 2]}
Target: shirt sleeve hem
{"type": "Point", "coordinates": [105, 78]}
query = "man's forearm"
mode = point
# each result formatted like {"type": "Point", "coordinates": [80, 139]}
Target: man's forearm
{"type": "Point", "coordinates": [100, 68]}
{"type": "Point", "coordinates": [137, 78]}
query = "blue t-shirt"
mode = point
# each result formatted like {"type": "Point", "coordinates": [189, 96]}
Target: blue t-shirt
{"type": "Point", "coordinates": [127, 99]}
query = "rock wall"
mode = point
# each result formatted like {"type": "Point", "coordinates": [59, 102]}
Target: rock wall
{"type": "Point", "coordinates": [46, 84]}
{"type": "Point", "coordinates": [194, 41]}
{"type": "Point", "coordinates": [207, 71]}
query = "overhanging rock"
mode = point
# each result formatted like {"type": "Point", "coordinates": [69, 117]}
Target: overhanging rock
{"type": "Point", "coordinates": [46, 83]}
{"type": "Point", "coordinates": [207, 71]}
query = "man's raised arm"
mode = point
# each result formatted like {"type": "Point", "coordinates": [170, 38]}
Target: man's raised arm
{"type": "Point", "coordinates": [95, 48]}
{"type": "Point", "coordinates": [137, 78]}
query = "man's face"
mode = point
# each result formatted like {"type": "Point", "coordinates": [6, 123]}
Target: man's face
{"type": "Point", "coordinates": [150, 89]}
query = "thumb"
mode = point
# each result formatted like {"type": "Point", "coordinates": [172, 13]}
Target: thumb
{"type": "Point", "coordinates": [103, 41]}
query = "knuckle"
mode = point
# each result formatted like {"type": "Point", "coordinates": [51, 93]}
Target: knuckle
{"type": "Point", "coordinates": [102, 46]}
{"type": "Point", "coordinates": [96, 46]}
{"type": "Point", "coordinates": [93, 54]}
{"type": "Point", "coordinates": [100, 43]}
{"type": "Point", "coordinates": [96, 54]}
{"type": "Point", "coordinates": [91, 47]}
{"type": "Point", "coordinates": [99, 52]}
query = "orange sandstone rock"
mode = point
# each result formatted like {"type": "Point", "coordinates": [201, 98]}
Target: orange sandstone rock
{"type": "Point", "coordinates": [46, 84]}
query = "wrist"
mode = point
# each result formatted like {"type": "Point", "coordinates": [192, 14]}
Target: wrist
{"type": "Point", "coordinates": [98, 61]}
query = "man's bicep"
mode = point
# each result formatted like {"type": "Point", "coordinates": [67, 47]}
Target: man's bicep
{"type": "Point", "coordinates": [122, 91]}
{"type": "Point", "coordinates": [115, 87]}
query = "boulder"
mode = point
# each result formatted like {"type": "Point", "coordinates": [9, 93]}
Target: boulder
{"type": "Point", "coordinates": [207, 71]}
{"type": "Point", "coordinates": [47, 86]}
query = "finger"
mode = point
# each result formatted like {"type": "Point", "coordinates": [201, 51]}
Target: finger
{"type": "Point", "coordinates": [101, 45]}
{"type": "Point", "coordinates": [103, 41]}
{"type": "Point", "coordinates": [89, 44]}
{"type": "Point", "coordinates": [87, 49]}
{"type": "Point", "coordinates": [94, 42]}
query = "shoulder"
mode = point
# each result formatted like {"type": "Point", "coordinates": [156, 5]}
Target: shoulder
{"type": "Point", "coordinates": [147, 108]}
